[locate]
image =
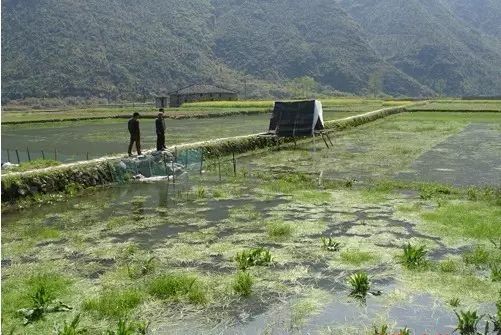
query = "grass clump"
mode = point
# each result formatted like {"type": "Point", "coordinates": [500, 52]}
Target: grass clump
{"type": "Point", "coordinates": [360, 284]}
{"type": "Point", "coordinates": [414, 257]}
{"type": "Point", "coordinates": [34, 165]}
{"type": "Point", "coordinates": [449, 265]}
{"type": "Point", "coordinates": [479, 257]}
{"type": "Point", "coordinates": [478, 220]}
{"type": "Point", "coordinates": [253, 257]}
{"type": "Point", "coordinates": [114, 302]}
{"type": "Point", "coordinates": [243, 284]}
{"type": "Point", "coordinates": [279, 230]}
{"type": "Point", "coordinates": [176, 287]}
{"type": "Point", "coordinates": [356, 257]}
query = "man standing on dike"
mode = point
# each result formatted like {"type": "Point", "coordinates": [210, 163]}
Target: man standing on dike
{"type": "Point", "coordinates": [135, 135]}
{"type": "Point", "coordinates": [160, 128]}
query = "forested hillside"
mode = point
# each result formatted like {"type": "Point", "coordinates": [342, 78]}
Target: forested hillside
{"type": "Point", "coordinates": [125, 49]}
{"type": "Point", "coordinates": [428, 40]}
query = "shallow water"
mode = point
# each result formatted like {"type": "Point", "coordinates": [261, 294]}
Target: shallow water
{"type": "Point", "coordinates": [472, 157]}
{"type": "Point", "coordinates": [73, 140]}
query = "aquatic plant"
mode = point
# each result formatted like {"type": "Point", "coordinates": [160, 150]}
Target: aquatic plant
{"type": "Point", "coordinates": [70, 328]}
{"type": "Point", "coordinates": [243, 284]}
{"type": "Point", "coordinates": [330, 245]}
{"type": "Point", "coordinates": [381, 331]}
{"type": "Point", "coordinates": [454, 302]}
{"type": "Point", "coordinates": [360, 284]}
{"type": "Point", "coordinates": [467, 322]}
{"type": "Point", "coordinates": [413, 256]}
{"type": "Point", "coordinates": [177, 286]}
{"type": "Point", "coordinates": [253, 257]}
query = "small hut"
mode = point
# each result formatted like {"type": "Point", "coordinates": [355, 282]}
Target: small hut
{"type": "Point", "coordinates": [199, 92]}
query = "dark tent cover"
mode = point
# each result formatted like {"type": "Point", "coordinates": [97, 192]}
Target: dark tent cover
{"type": "Point", "coordinates": [296, 118]}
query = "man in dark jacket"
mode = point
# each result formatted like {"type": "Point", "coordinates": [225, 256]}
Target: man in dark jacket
{"type": "Point", "coordinates": [135, 135]}
{"type": "Point", "coordinates": [160, 129]}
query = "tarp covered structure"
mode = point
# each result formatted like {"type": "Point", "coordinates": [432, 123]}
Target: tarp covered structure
{"type": "Point", "coordinates": [296, 118]}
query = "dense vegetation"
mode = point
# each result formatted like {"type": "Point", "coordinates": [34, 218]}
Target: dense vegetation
{"type": "Point", "coordinates": [127, 49]}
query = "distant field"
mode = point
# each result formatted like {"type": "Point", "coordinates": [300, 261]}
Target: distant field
{"type": "Point", "coordinates": [200, 108]}
{"type": "Point", "coordinates": [461, 105]}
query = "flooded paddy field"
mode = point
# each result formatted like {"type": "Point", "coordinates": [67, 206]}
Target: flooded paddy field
{"type": "Point", "coordinates": [73, 140]}
{"type": "Point", "coordinates": [303, 240]}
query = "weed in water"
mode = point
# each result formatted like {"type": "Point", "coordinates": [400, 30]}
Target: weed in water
{"type": "Point", "coordinates": [253, 257]}
{"type": "Point", "coordinates": [279, 230]}
{"type": "Point", "coordinates": [330, 245]}
{"type": "Point", "coordinates": [495, 273]}
{"type": "Point", "coordinates": [114, 302]}
{"type": "Point", "coordinates": [381, 331]}
{"type": "Point", "coordinates": [454, 302]}
{"type": "Point", "coordinates": [405, 331]}
{"type": "Point", "coordinates": [141, 267]}
{"type": "Point", "coordinates": [125, 327]}
{"type": "Point", "coordinates": [467, 322]}
{"type": "Point", "coordinates": [448, 265]}
{"type": "Point", "coordinates": [360, 284]}
{"type": "Point", "coordinates": [478, 257]}
{"type": "Point", "coordinates": [41, 300]}
{"type": "Point", "coordinates": [71, 328]}
{"type": "Point", "coordinates": [176, 287]}
{"type": "Point", "coordinates": [200, 192]}
{"type": "Point", "coordinates": [356, 257]}
{"type": "Point", "coordinates": [414, 257]}
{"type": "Point", "coordinates": [243, 284]}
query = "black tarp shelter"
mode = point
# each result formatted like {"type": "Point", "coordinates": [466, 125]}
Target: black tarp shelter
{"type": "Point", "coordinates": [296, 118]}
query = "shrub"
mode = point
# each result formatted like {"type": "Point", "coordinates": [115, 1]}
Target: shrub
{"type": "Point", "coordinates": [382, 331]}
{"type": "Point", "coordinates": [243, 284]}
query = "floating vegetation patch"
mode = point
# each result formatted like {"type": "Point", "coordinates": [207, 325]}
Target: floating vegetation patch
{"type": "Point", "coordinates": [242, 284]}
{"type": "Point", "coordinates": [253, 257]}
{"type": "Point", "coordinates": [177, 286]}
{"type": "Point", "coordinates": [114, 302]}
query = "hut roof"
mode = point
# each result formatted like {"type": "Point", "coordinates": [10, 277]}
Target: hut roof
{"type": "Point", "coordinates": [200, 89]}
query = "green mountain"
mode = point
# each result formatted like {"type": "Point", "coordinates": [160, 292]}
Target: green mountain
{"type": "Point", "coordinates": [430, 41]}
{"type": "Point", "coordinates": [124, 48]}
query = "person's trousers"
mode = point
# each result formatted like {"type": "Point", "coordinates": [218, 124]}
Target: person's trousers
{"type": "Point", "coordinates": [136, 140]}
{"type": "Point", "coordinates": [160, 142]}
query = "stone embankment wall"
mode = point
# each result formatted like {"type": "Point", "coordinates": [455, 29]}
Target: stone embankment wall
{"type": "Point", "coordinates": [105, 170]}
